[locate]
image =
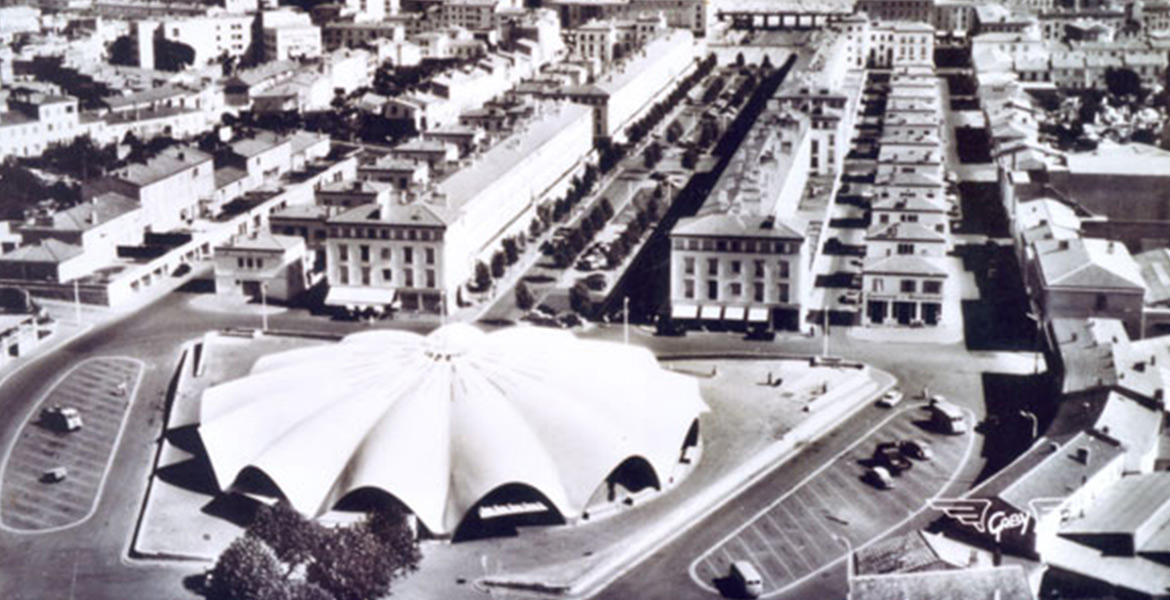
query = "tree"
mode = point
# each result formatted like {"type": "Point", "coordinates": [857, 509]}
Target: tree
{"type": "Point", "coordinates": [1123, 82]}
{"type": "Point", "coordinates": [598, 218]}
{"type": "Point", "coordinates": [673, 132]}
{"type": "Point", "coordinates": [290, 535]}
{"type": "Point", "coordinates": [690, 158]}
{"type": "Point", "coordinates": [248, 569]}
{"type": "Point", "coordinates": [579, 299]}
{"type": "Point", "coordinates": [524, 298]}
{"type": "Point", "coordinates": [303, 590]}
{"type": "Point", "coordinates": [170, 55]}
{"type": "Point", "coordinates": [498, 264]}
{"type": "Point", "coordinates": [511, 252]}
{"type": "Point", "coordinates": [606, 208]}
{"type": "Point", "coordinates": [483, 277]}
{"type": "Point", "coordinates": [651, 155]}
{"type": "Point", "coordinates": [739, 60]}
{"type": "Point", "coordinates": [122, 51]}
{"type": "Point", "coordinates": [352, 565]}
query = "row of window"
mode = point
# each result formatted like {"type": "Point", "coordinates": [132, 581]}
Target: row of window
{"type": "Point", "coordinates": [736, 267]}
{"type": "Point", "coordinates": [748, 246]}
{"type": "Point", "coordinates": [374, 233]}
{"type": "Point", "coordinates": [249, 263]}
{"type": "Point", "coordinates": [736, 291]}
{"type": "Point", "coordinates": [910, 286]}
{"type": "Point", "coordinates": [386, 277]}
{"type": "Point", "coordinates": [364, 253]}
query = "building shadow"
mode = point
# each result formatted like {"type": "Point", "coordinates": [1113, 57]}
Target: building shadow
{"type": "Point", "coordinates": [186, 438]}
{"type": "Point", "coordinates": [193, 475]}
{"type": "Point", "coordinates": [237, 509]}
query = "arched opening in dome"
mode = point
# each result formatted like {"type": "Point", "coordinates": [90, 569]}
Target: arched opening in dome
{"type": "Point", "coordinates": [633, 475]}
{"type": "Point", "coordinates": [690, 442]}
{"type": "Point", "coordinates": [255, 482]}
{"type": "Point", "coordinates": [501, 511]}
{"type": "Point", "coordinates": [373, 499]}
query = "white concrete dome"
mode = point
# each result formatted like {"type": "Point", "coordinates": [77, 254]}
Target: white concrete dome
{"type": "Point", "coordinates": [441, 421]}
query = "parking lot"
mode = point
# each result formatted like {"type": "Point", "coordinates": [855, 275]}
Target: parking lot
{"type": "Point", "coordinates": [806, 529]}
{"type": "Point", "coordinates": [100, 389]}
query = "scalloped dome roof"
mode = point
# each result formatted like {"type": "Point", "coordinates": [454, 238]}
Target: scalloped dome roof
{"type": "Point", "coordinates": [440, 421]}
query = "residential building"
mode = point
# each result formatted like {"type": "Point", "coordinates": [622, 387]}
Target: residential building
{"type": "Point", "coordinates": [418, 255]}
{"type": "Point", "coordinates": [288, 35]}
{"type": "Point", "coordinates": [692, 15]}
{"type": "Point", "coordinates": [1082, 278]}
{"type": "Point", "coordinates": [169, 186]}
{"type": "Point", "coordinates": [97, 226]}
{"type": "Point", "coordinates": [210, 36]}
{"type": "Point", "coordinates": [361, 33]}
{"type": "Point", "coordinates": [921, 11]}
{"type": "Point", "coordinates": [343, 195]}
{"type": "Point", "coordinates": [262, 266]}
{"type": "Point", "coordinates": [626, 91]}
{"type": "Point", "coordinates": [34, 120]}
{"type": "Point", "coordinates": [401, 173]}
{"type": "Point", "coordinates": [612, 39]}
{"type": "Point", "coordinates": [903, 289]}
{"type": "Point", "coordinates": [901, 43]}
{"type": "Point", "coordinates": [744, 258]}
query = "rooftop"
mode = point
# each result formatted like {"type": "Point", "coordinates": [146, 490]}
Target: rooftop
{"type": "Point", "coordinates": [1155, 269]}
{"type": "Point", "coordinates": [262, 241]}
{"type": "Point", "coordinates": [739, 225]}
{"type": "Point", "coordinates": [1122, 159]}
{"type": "Point", "coordinates": [904, 231]}
{"type": "Point", "coordinates": [168, 163]}
{"type": "Point", "coordinates": [1125, 506]}
{"type": "Point", "coordinates": [904, 265]}
{"type": "Point", "coordinates": [1050, 470]}
{"type": "Point", "coordinates": [416, 213]}
{"type": "Point", "coordinates": [260, 143]}
{"type": "Point", "coordinates": [1088, 263]}
{"type": "Point", "coordinates": [87, 215]}
{"type": "Point", "coordinates": [999, 583]}
{"type": "Point", "coordinates": [46, 251]}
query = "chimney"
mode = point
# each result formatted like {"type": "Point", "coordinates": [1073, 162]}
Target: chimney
{"type": "Point", "coordinates": [1063, 244]}
{"type": "Point", "coordinates": [1082, 455]}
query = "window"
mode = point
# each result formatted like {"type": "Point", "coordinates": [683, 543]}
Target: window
{"type": "Point", "coordinates": [758, 291]}
{"type": "Point", "coordinates": [342, 252]}
{"type": "Point", "coordinates": [386, 253]}
{"type": "Point", "coordinates": [689, 265]}
{"type": "Point", "coordinates": [759, 268]}
{"type": "Point", "coordinates": [408, 255]}
{"type": "Point", "coordinates": [782, 269]}
{"type": "Point", "coordinates": [430, 278]}
{"type": "Point", "coordinates": [1102, 302]}
{"type": "Point", "coordinates": [737, 289]}
{"type": "Point", "coordinates": [782, 292]}
{"type": "Point", "coordinates": [409, 277]}
{"type": "Point", "coordinates": [430, 256]}
{"type": "Point", "coordinates": [343, 276]}
{"type": "Point", "coordinates": [909, 286]}
{"type": "Point", "coordinates": [365, 276]}
{"type": "Point", "coordinates": [931, 287]}
{"type": "Point", "coordinates": [878, 285]}
{"type": "Point", "coordinates": [905, 248]}
{"type": "Point", "coordinates": [364, 251]}
{"type": "Point", "coordinates": [712, 289]}
{"type": "Point", "coordinates": [712, 266]}
{"type": "Point", "coordinates": [736, 267]}
{"type": "Point", "coordinates": [387, 275]}
{"type": "Point", "coordinates": [240, 263]}
{"type": "Point", "coordinates": [689, 289]}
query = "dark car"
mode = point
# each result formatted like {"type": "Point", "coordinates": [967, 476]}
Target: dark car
{"type": "Point", "coordinates": [916, 449]}
{"type": "Point", "coordinates": [889, 456]}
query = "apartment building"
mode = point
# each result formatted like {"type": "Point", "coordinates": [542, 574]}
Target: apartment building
{"type": "Point", "coordinates": [903, 290]}
{"type": "Point", "coordinates": [34, 120]}
{"type": "Point", "coordinates": [262, 267]}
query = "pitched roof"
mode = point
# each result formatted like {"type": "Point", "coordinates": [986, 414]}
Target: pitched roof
{"type": "Point", "coordinates": [1088, 263]}
{"type": "Point", "coordinates": [739, 225]}
{"type": "Point", "coordinates": [898, 264]}
{"type": "Point", "coordinates": [415, 213]}
{"type": "Point", "coordinates": [262, 241]}
{"type": "Point", "coordinates": [904, 231]}
{"type": "Point", "coordinates": [87, 215]}
{"type": "Point", "coordinates": [259, 144]}
{"type": "Point", "coordinates": [46, 251]}
{"type": "Point", "coordinates": [168, 163]}
{"type": "Point", "coordinates": [1051, 471]}
{"type": "Point", "coordinates": [1125, 507]}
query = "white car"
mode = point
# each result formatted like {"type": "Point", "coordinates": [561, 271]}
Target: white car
{"type": "Point", "coordinates": [890, 399]}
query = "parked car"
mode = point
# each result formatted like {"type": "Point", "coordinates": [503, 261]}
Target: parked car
{"type": "Point", "coordinates": [888, 455]}
{"type": "Point", "coordinates": [916, 449]}
{"type": "Point", "coordinates": [59, 418]}
{"type": "Point", "coordinates": [879, 477]}
{"type": "Point", "coordinates": [946, 417]}
{"type": "Point", "coordinates": [54, 475]}
{"type": "Point", "coordinates": [890, 399]}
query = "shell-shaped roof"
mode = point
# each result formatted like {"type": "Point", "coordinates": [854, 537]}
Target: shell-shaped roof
{"type": "Point", "coordinates": [440, 421]}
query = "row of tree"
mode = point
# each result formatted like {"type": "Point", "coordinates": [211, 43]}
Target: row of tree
{"type": "Point", "coordinates": [284, 556]}
{"type": "Point", "coordinates": [640, 128]}
{"type": "Point", "coordinates": [646, 213]}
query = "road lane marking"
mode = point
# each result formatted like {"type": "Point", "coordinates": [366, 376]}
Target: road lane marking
{"type": "Point", "coordinates": [811, 476]}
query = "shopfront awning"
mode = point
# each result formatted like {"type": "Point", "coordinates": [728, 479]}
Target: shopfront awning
{"type": "Point", "coordinates": [734, 313]}
{"type": "Point", "coordinates": [711, 312]}
{"type": "Point", "coordinates": [684, 311]}
{"type": "Point", "coordinates": [757, 315]}
{"type": "Point", "coordinates": [360, 297]}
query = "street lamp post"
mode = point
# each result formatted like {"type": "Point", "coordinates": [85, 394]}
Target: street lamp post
{"type": "Point", "coordinates": [264, 306]}
{"type": "Point", "coordinates": [626, 319]}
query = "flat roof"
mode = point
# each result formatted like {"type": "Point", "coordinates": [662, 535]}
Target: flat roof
{"type": "Point", "coordinates": [1155, 268]}
{"type": "Point", "coordinates": [1124, 506]}
{"type": "Point", "coordinates": [1005, 583]}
